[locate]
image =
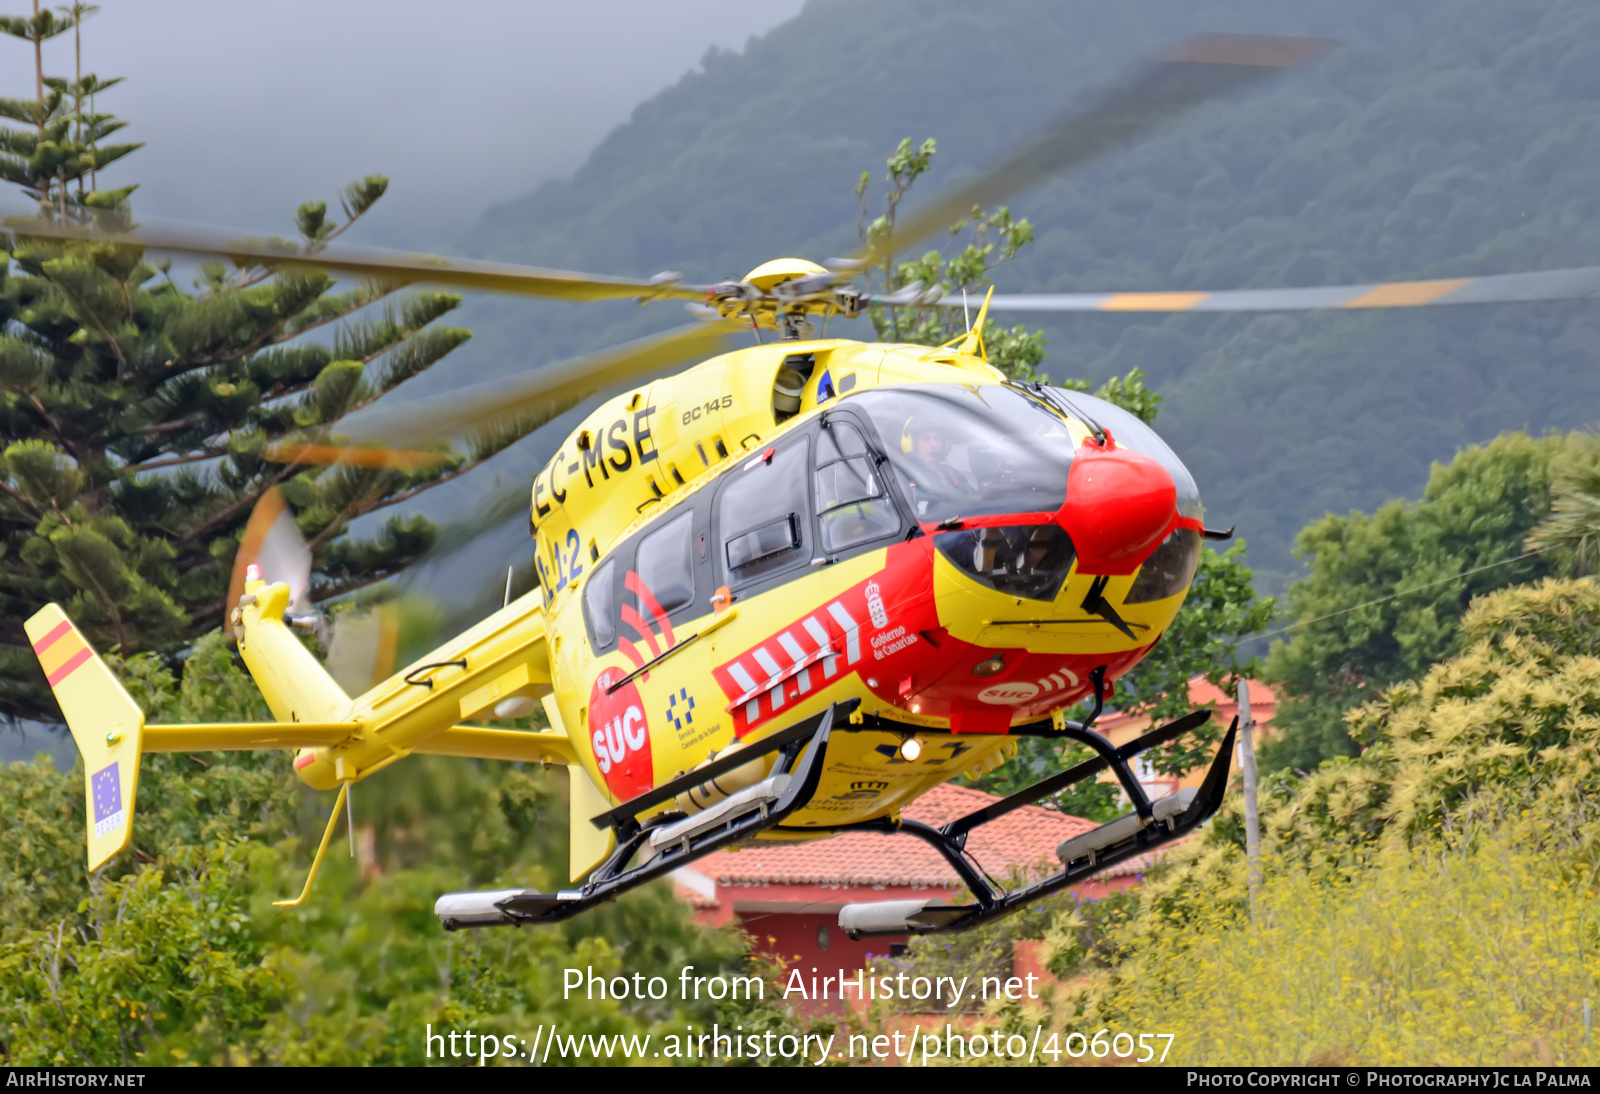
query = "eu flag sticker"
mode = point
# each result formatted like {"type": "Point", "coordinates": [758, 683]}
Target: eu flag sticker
{"type": "Point", "coordinates": [107, 788]}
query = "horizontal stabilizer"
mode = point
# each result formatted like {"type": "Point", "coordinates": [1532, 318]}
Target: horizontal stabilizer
{"type": "Point", "coordinates": [512, 745]}
{"type": "Point", "coordinates": [245, 736]}
{"type": "Point", "coordinates": [108, 728]}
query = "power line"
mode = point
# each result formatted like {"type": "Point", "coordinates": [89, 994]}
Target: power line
{"type": "Point", "coordinates": [1393, 596]}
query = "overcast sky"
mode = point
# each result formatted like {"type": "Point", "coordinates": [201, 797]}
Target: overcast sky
{"type": "Point", "coordinates": [247, 109]}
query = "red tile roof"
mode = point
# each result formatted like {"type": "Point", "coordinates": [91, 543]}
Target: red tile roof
{"type": "Point", "coordinates": [1022, 839]}
{"type": "Point", "coordinates": [695, 899]}
{"type": "Point", "coordinates": [1203, 693]}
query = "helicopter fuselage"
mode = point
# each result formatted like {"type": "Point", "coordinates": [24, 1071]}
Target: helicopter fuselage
{"type": "Point", "coordinates": [737, 546]}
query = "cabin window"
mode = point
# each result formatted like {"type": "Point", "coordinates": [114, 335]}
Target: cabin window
{"type": "Point", "coordinates": [763, 515]}
{"type": "Point", "coordinates": [600, 606]}
{"type": "Point", "coordinates": [665, 564]}
{"type": "Point", "coordinates": [852, 505]}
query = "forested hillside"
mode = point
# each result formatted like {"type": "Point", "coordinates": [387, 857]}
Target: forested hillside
{"type": "Point", "coordinates": [1440, 139]}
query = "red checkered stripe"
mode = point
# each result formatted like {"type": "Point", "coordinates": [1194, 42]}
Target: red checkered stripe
{"type": "Point", "coordinates": [810, 652]}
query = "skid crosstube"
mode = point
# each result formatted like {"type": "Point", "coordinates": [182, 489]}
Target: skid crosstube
{"type": "Point", "coordinates": [1149, 825]}
{"type": "Point", "coordinates": [794, 781]}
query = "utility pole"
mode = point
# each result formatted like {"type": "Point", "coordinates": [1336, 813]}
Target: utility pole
{"type": "Point", "coordinates": [1252, 815]}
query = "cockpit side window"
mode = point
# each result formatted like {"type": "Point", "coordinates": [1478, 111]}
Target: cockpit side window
{"type": "Point", "coordinates": [763, 516]}
{"type": "Point", "coordinates": [853, 507]}
{"type": "Point", "coordinates": [600, 605]}
{"type": "Point", "coordinates": [665, 565]}
{"type": "Point", "coordinates": [960, 451]}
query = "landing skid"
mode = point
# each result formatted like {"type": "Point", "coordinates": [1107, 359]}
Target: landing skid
{"type": "Point", "coordinates": [1147, 826]}
{"type": "Point", "coordinates": [670, 843]}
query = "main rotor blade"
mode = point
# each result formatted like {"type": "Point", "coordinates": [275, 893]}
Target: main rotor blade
{"type": "Point", "coordinates": [388, 267]}
{"type": "Point", "coordinates": [1581, 283]}
{"type": "Point", "coordinates": [1204, 67]}
{"type": "Point", "coordinates": [367, 645]}
{"type": "Point", "coordinates": [527, 402]}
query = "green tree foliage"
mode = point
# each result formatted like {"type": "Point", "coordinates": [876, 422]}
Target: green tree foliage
{"type": "Point", "coordinates": [1570, 534]}
{"type": "Point", "coordinates": [1507, 724]}
{"type": "Point", "coordinates": [138, 419]}
{"type": "Point", "coordinates": [1382, 600]}
{"type": "Point", "coordinates": [1504, 729]}
{"type": "Point", "coordinates": [1016, 352]}
{"type": "Point", "coordinates": [986, 240]}
{"type": "Point", "coordinates": [1467, 949]}
{"type": "Point", "coordinates": [173, 954]}
{"type": "Point", "coordinates": [56, 160]}
{"type": "Point", "coordinates": [1431, 898]}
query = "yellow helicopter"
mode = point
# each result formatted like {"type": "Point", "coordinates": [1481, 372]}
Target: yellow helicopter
{"type": "Point", "coordinates": [784, 592]}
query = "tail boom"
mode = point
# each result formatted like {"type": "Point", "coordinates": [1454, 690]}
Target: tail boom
{"type": "Point", "coordinates": [338, 740]}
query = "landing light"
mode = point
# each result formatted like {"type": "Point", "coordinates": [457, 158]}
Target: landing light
{"type": "Point", "coordinates": [910, 749]}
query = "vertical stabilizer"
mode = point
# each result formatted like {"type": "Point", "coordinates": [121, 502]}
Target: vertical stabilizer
{"type": "Point", "coordinates": [105, 722]}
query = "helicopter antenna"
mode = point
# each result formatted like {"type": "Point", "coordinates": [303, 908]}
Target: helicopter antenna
{"type": "Point", "coordinates": [509, 571]}
{"type": "Point", "coordinates": [350, 820]}
{"type": "Point", "coordinates": [973, 342]}
{"type": "Point", "coordinates": [966, 315]}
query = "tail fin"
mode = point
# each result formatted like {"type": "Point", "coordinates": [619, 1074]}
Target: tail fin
{"type": "Point", "coordinates": [106, 723]}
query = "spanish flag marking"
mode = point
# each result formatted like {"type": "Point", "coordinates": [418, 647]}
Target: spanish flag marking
{"type": "Point", "coordinates": [61, 652]}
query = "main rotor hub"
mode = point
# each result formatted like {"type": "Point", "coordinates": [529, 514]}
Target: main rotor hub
{"type": "Point", "coordinates": [785, 295]}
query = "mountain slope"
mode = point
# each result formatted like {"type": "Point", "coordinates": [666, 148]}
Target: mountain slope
{"type": "Point", "coordinates": [1439, 140]}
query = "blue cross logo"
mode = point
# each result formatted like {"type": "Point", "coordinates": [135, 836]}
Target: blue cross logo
{"type": "Point", "coordinates": [680, 709]}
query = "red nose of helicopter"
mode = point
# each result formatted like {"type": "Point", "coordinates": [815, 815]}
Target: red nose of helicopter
{"type": "Point", "coordinates": [1119, 505]}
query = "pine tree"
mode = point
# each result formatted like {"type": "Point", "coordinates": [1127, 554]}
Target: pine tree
{"type": "Point", "coordinates": [61, 149]}
{"type": "Point", "coordinates": [137, 418]}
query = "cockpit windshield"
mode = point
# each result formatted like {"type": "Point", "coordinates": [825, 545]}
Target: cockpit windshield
{"type": "Point", "coordinates": [962, 451]}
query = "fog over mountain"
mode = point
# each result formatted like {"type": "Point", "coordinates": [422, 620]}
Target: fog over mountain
{"type": "Point", "coordinates": [249, 109]}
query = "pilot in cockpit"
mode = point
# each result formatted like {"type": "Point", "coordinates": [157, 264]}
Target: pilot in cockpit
{"type": "Point", "coordinates": [933, 472]}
